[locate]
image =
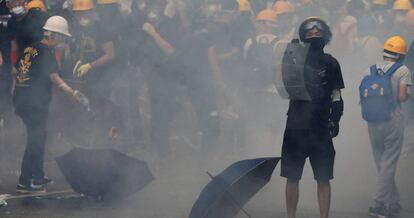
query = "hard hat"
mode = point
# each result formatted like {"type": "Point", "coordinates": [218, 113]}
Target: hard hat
{"type": "Point", "coordinates": [402, 5]}
{"type": "Point", "coordinates": [312, 22]}
{"type": "Point", "coordinates": [82, 5]}
{"type": "Point", "coordinates": [244, 5]}
{"type": "Point", "coordinates": [283, 7]}
{"type": "Point", "coordinates": [266, 15]}
{"type": "Point", "coordinates": [409, 17]}
{"type": "Point", "coordinates": [396, 44]}
{"type": "Point", "coordinates": [107, 2]}
{"type": "Point", "coordinates": [380, 2]}
{"type": "Point", "coordinates": [36, 4]}
{"type": "Point", "coordinates": [57, 24]}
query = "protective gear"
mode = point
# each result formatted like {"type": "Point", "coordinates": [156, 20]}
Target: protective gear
{"type": "Point", "coordinates": [333, 128]}
{"type": "Point", "coordinates": [18, 11]}
{"type": "Point", "coordinates": [83, 70]}
{"type": "Point", "coordinates": [290, 79]}
{"type": "Point", "coordinates": [36, 4]}
{"type": "Point", "coordinates": [317, 22]}
{"type": "Point", "coordinates": [380, 2]}
{"type": "Point", "coordinates": [82, 5]}
{"type": "Point", "coordinates": [402, 5]}
{"type": "Point", "coordinates": [316, 43]}
{"type": "Point", "coordinates": [396, 44]}
{"type": "Point", "coordinates": [57, 24]}
{"type": "Point", "coordinates": [244, 5]}
{"type": "Point", "coordinates": [149, 28]}
{"type": "Point", "coordinates": [266, 15]}
{"type": "Point", "coordinates": [281, 7]}
{"type": "Point", "coordinates": [107, 2]}
{"type": "Point", "coordinates": [409, 17]}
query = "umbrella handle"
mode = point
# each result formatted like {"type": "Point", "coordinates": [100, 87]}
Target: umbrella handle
{"type": "Point", "coordinates": [233, 201]}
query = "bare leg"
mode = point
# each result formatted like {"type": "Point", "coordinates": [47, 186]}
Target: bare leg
{"type": "Point", "coordinates": [324, 198]}
{"type": "Point", "coordinates": [292, 197]}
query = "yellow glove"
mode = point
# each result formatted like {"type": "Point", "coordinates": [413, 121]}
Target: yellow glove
{"type": "Point", "coordinates": [83, 69]}
{"type": "Point", "coordinates": [149, 28]}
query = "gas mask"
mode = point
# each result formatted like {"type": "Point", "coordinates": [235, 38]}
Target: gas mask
{"type": "Point", "coordinates": [18, 11]}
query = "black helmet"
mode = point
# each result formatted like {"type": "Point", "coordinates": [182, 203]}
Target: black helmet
{"type": "Point", "coordinates": [312, 22]}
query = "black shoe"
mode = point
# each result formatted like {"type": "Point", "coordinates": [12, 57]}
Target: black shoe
{"type": "Point", "coordinates": [45, 181]}
{"type": "Point", "coordinates": [394, 210]}
{"type": "Point", "coordinates": [32, 189]}
{"type": "Point", "coordinates": [378, 211]}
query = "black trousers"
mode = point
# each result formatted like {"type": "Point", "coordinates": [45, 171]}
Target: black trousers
{"type": "Point", "coordinates": [34, 119]}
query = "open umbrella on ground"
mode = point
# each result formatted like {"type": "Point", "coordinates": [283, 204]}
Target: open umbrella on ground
{"type": "Point", "coordinates": [104, 173]}
{"type": "Point", "coordinates": [226, 194]}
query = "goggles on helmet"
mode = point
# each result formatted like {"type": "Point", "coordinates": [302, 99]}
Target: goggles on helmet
{"type": "Point", "coordinates": [313, 24]}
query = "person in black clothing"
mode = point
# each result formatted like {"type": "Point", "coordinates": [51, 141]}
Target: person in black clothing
{"type": "Point", "coordinates": [25, 26]}
{"type": "Point", "coordinates": [311, 125]}
{"type": "Point", "coordinates": [37, 69]}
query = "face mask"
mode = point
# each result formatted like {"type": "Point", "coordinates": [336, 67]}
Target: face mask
{"type": "Point", "coordinates": [316, 43]}
{"type": "Point", "coordinates": [85, 21]}
{"type": "Point", "coordinates": [18, 11]}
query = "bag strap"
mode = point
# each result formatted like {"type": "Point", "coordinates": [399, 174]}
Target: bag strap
{"type": "Point", "coordinates": [388, 73]}
{"type": "Point", "coordinates": [373, 69]}
{"type": "Point", "coordinates": [392, 69]}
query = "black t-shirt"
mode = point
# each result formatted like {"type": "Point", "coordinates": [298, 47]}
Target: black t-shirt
{"type": "Point", "coordinates": [322, 75]}
{"type": "Point", "coordinates": [29, 29]}
{"type": "Point", "coordinates": [87, 46]}
{"type": "Point", "coordinates": [33, 84]}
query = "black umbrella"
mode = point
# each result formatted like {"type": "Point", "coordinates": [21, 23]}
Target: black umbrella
{"type": "Point", "coordinates": [226, 194]}
{"type": "Point", "coordinates": [104, 173]}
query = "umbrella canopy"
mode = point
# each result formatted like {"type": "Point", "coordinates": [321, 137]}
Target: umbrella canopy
{"type": "Point", "coordinates": [226, 194]}
{"type": "Point", "coordinates": [104, 173]}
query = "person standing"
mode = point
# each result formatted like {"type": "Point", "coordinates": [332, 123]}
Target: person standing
{"type": "Point", "coordinates": [383, 89]}
{"type": "Point", "coordinates": [311, 124]}
{"type": "Point", "coordinates": [37, 70]}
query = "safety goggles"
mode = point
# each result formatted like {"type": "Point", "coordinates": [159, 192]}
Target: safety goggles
{"type": "Point", "coordinates": [313, 24]}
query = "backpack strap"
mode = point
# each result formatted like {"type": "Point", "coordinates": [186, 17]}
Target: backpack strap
{"type": "Point", "coordinates": [373, 69]}
{"type": "Point", "coordinates": [392, 69]}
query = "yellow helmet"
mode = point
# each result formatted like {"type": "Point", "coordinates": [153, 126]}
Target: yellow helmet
{"type": "Point", "coordinates": [409, 17]}
{"type": "Point", "coordinates": [380, 2]}
{"type": "Point", "coordinates": [106, 2]}
{"type": "Point", "coordinates": [266, 15]}
{"type": "Point", "coordinates": [402, 5]}
{"type": "Point", "coordinates": [281, 7]}
{"type": "Point", "coordinates": [36, 4]}
{"type": "Point", "coordinates": [396, 44]}
{"type": "Point", "coordinates": [244, 5]}
{"type": "Point", "coordinates": [82, 5]}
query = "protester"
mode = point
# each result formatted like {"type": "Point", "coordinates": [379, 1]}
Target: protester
{"type": "Point", "coordinates": [382, 91]}
{"type": "Point", "coordinates": [37, 70]}
{"type": "Point", "coordinates": [311, 125]}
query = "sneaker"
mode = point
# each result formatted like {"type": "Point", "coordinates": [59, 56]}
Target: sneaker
{"type": "Point", "coordinates": [45, 181]}
{"type": "Point", "coordinates": [378, 211]}
{"type": "Point", "coordinates": [394, 210]}
{"type": "Point", "coordinates": [32, 189]}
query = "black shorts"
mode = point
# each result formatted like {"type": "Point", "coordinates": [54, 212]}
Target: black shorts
{"type": "Point", "coordinates": [299, 144]}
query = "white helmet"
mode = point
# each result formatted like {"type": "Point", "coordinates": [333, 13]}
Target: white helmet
{"type": "Point", "coordinates": [57, 24]}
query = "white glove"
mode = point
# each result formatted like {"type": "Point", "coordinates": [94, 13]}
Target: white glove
{"type": "Point", "coordinates": [149, 28]}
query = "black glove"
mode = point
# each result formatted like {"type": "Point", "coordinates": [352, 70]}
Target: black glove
{"type": "Point", "coordinates": [333, 128]}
